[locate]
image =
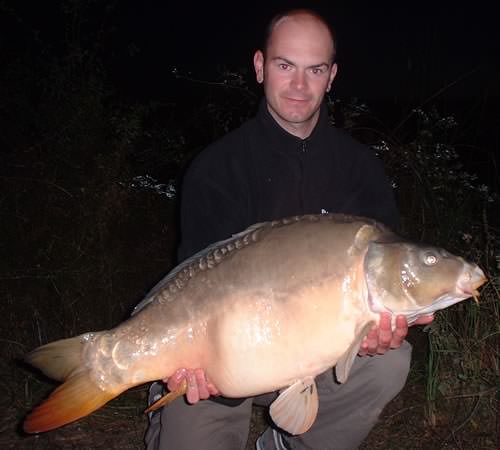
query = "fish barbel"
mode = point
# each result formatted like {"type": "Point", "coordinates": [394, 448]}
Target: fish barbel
{"type": "Point", "coordinates": [268, 309]}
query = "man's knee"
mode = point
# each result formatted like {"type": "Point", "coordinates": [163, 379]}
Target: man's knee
{"type": "Point", "coordinates": [390, 371]}
{"type": "Point", "coordinates": [207, 425]}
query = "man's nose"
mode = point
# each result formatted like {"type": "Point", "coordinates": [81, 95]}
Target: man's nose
{"type": "Point", "coordinates": [299, 79]}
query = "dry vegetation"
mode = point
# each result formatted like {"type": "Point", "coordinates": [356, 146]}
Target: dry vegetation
{"type": "Point", "coordinates": [81, 246]}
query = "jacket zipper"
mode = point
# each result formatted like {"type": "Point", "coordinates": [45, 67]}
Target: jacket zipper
{"type": "Point", "coordinates": [302, 178]}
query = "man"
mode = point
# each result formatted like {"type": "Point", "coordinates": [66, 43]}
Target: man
{"type": "Point", "coordinates": [286, 161]}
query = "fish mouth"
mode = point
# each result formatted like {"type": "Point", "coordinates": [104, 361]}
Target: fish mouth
{"type": "Point", "coordinates": [469, 283]}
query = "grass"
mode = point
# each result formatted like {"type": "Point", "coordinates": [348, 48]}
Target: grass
{"type": "Point", "coordinates": [80, 248]}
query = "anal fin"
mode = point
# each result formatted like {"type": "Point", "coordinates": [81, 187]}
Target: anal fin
{"type": "Point", "coordinates": [296, 407]}
{"type": "Point", "coordinates": [168, 398]}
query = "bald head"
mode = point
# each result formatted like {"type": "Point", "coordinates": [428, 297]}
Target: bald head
{"type": "Point", "coordinates": [296, 68]}
{"type": "Point", "coordinates": [305, 19]}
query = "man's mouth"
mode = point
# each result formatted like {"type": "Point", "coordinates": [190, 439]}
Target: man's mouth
{"type": "Point", "coordinates": [296, 99]}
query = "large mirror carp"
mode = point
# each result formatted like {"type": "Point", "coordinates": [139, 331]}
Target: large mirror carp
{"type": "Point", "coordinates": [268, 309]}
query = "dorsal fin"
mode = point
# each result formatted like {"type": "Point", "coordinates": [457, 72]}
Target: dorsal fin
{"type": "Point", "coordinates": [203, 260]}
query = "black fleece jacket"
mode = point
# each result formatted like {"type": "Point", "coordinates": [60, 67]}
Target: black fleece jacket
{"type": "Point", "coordinates": [260, 172]}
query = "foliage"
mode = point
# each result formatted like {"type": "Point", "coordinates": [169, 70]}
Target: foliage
{"type": "Point", "coordinates": [444, 204]}
{"type": "Point", "coordinates": [89, 201]}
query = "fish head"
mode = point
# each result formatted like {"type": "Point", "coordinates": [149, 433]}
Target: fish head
{"type": "Point", "coordinates": [413, 279]}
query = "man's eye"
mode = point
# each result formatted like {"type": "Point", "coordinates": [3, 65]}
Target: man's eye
{"type": "Point", "coordinates": [317, 71]}
{"type": "Point", "coordinates": [284, 66]}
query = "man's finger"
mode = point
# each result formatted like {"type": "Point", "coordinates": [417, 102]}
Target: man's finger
{"type": "Point", "coordinates": [202, 384]}
{"type": "Point", "coordinates": [192, 393]}
{"type": "Point", "coordinates": [384, 333]}
{"type": "Point", "coordinates": [385, 321]}
{"type": "Point", "coordinates": [372, 341]}
{"type": "Point", "coordinates": [212, 389]}
{"type": "Point", "coordinates": [174, 381]}
{"type": "Point", "coordinates": [424, 320]}
{"type": "Point", "coordinates": [400, 332]}
{"type": "Point", "coordinates": [363, 348]}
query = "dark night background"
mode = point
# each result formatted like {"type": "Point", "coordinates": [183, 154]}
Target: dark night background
{"type": "Point", "coordinates": [390, 51]}
{"type": "Point", "coordinates": [394, 56]}
{"type": "Point", "coordinates": [94, 93]}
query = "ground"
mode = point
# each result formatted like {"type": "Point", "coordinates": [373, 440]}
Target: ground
{"type": "Point", "coordinates": [121, 424]}
{"type": "Point", "coordinates": [78, 294]}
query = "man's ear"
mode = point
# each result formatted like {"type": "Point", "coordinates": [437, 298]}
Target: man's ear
{"type": "Point", "coordinates": [258, 64]}
{"type": "Point", "coordinates": [333, 73]}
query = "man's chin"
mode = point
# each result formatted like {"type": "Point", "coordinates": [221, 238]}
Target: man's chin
{"type": "Point", "coordinates": [297, 117]}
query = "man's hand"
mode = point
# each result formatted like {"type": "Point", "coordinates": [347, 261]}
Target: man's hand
{"type": "Point", "coordinates": [381, 338]}
{"type": "Point", "coordinates": [198, 387]}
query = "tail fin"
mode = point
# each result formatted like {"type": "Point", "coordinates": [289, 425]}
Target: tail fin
{"type": "Point", "coordinates": [59, 359]}
{"type": "Point", "coordinates": [77, 397]}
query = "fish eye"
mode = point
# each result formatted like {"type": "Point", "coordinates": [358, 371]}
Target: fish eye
{"type": "Point", "coordinates": [430, 259]}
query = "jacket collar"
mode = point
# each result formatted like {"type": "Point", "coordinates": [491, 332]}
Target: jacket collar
{"type": "Point", "coordinates": [287, 140]}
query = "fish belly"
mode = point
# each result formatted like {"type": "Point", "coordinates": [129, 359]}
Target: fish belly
{"type": "Point", "coordinates": [267, 344]}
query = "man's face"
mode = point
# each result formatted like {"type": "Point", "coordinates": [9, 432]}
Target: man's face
{"type": "Point", "coordinates": [296, 72]}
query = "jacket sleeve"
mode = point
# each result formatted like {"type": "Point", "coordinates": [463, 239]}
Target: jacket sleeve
{"type": "Point", "coordinates": [211, 208]}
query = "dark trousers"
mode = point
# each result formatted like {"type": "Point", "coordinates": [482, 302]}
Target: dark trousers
{"type": "Point", "coordinates": [347, 412]}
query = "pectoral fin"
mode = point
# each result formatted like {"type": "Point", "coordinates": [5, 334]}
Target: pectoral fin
{"type": "Point", "coordinates": [296, 407]}
{"type": "Point", "coordinates": [345, 362]}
